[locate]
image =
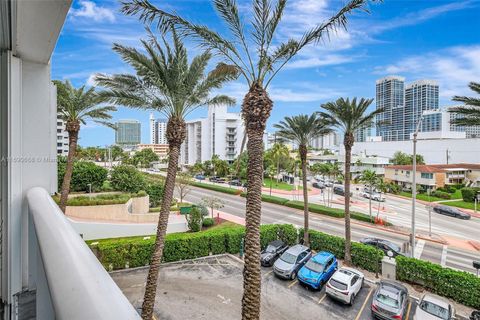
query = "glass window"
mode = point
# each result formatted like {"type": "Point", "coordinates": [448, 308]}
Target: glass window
{"type": "Point", "coordinates": [339, 285]}
{"type": "Point", "coordinates": [435, 310]}
{"type": "Point", "coordinates": [315, 266]}
{"type": "Point", "coordinates": [288, 258]}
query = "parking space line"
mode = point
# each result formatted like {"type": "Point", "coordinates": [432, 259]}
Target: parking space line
{"type": "Point", "coordinates": [408, 309]}
{"type": "Point", "coordinates": [443, 261]}
{"type": "Point", "coordinates": [364, 304]}
{"type": "Point", "coordinates": [292, 283]}
{"type": "Point", "coordinates": [268, 273]}
{"type": "Point", "coordinates": [321, 299]}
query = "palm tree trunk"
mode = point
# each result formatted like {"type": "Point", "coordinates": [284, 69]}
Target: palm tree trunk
{"type": "Point", "coordinates": [73, 128]}
{"type": "Point", "coordinates": [303, 158]}
{"type": "Point", "coordinates": [256, 109]}
{"type": "Point", "coordinates": [348, 142]}
{"type": "Point", "coordinates": [175, 136]}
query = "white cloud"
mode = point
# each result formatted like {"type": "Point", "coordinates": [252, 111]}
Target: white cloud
{"type": "Point", "coordinates": [89, 9]}
{"type": "Point", "coordinates": [453, 68]}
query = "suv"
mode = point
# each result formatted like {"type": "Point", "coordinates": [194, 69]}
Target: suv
{"type": "Point", "coordinates": [345, 284]}
{"type": "Point", "coordinates": [291, 261]}
{"type": "Point", "coordinates": [318, 270]}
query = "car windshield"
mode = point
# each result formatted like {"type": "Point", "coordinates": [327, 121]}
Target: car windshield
{"type": "Point", "coordinates": [337, 284]}
{"type": "Point", "coordinates": [315, 266]}
{"type": "Point", "coordinates": [387, 300]}
{"type": "Point", "coordinates": [288, 257]}
{"type": "Point", "coordinates": [435, 310]}
{"type": "Point", "coordinates": [394, 246]}
{"type": "Point", "coordinates": [270, 249]}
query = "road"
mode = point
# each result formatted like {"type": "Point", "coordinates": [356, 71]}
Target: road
{"type": "Point", "coordinates": [271, 213]}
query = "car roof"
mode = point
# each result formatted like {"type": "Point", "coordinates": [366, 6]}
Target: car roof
{"type": "Point", "coordinates": [344, 275]}
{"type": "Point", "coordinates": [297, 249]}
{"type": "Point", "coordinates": [392, 286]}
{"type": "Point", "coordinates": [439, 301]}
{"type": "Point", "coordinates": [322, 257]}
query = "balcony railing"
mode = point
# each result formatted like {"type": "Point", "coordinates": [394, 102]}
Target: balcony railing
{"type": "Point", "coordinates": [79, 286]}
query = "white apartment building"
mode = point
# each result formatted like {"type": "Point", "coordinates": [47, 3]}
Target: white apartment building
{"type": "Point", "coordinates": [158, 130]}
{"type": "Point", "coordinates": [329, 141]}
{"type": "Point", "coordinates": [360, 162]}
{"type": "Point", "coordinates": [62, 138]}
{"type": "Point", "coordinates": [220, 133]}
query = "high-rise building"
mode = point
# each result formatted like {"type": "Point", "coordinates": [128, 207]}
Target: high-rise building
{"type": "Point", "coordinates": [62, 138]}
{"type": "Point", "coordinates": [128, 132]}
{"type": "Point", "coordinates": [221, 133]}
{"type": "Point", "coordinates": [362, 134]}
{"type": "Point", "coordinates": [420, 96]}
{"type": "Point", "coordinates": [390, 95]}
{"type": "Point", "coordinates": [470, 131]}
{"type": "Point", "coordinates": [327, 141]}
{"type": "Point", "coordinates": [158, 130]}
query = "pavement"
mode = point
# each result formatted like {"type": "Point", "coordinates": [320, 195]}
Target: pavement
{"type": "Point", "coordinates": [211, 288]}
{"type": "Point", "coordinates": [453, 251]}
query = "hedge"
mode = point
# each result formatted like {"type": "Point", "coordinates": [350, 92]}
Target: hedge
{"type": "Point", "coordinates": [363, 256]}
{"type": "Point", "coordinates": [101, 199]}
{"type": "Point", "coordinates": [271, 199]}
{"type": "Point", "coordinates": [136, 251]}
{"type": "Point", "coordinates": [216, 188]}
{"type": "Point", "coordinates": [468, 194]}
{"type": "Point", "coordinates": [460, 286]}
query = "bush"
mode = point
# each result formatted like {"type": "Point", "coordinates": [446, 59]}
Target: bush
{"type": "Point", "coordinates": [207, 222]}
{"type": "Point", "coordinates": [84, 173]}
{"type": "Point", "coordinates": [441, 194]}
{"type": "Point", "coordinates": [216, 188]}
{"type": "Point", "coordinates": [468, 194]}
{"type": "Point", "coordinates": [102, 199]}
{"type": "Point", "coordinates": [155, 193]}
{"type": "Point", "coordinates": [194, 219]}
{"type": "Point", "coordinates": [127, 178]}
{"type": "Point", "coordinates": [271, 199]}
{"type": "Point", "coordinates": [332, 212]}
{"type": "Point", "coordinates": [460, 286]}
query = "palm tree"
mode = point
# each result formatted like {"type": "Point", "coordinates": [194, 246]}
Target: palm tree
{"type": "Point", "coordinates": [301, 130]}
{"type": "Point", "coordinates": [349, 116]}
{"type": "Point", "coordinates": [369, 177]}
{"type": "Point", "coordinates": [75, 107]}
{"type": "Point", "coordinates": [258, 59]}
{"type": "Point", "coordinates": [470, 112]}
{"type": "Point", "coordinates": [167, 83]}
{"type": "Point", "coordinates": [278, 152]}
{"type": "Point", "coordinates": [382, 188]}
{"type": "Point", "coordinates": [335, 172]}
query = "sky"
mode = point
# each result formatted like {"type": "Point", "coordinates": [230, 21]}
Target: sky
{"type": "Point", "coordinates": [428, 39]}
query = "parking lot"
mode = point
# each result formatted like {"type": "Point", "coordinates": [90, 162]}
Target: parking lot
{"type": "Point", "coordinates": [211, 288]}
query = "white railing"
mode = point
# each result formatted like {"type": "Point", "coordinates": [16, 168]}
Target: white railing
{"type": "Point", "coordinates": [79, 286]}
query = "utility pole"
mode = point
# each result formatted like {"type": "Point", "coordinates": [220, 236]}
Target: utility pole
{"type": "Point", "coordinates": [414, 184]}
{"type": "Point", "coordinates": [447, 155]}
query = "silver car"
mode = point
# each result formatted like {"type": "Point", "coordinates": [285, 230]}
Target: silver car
{"type": "Point", "coordinates": [433, 307]}
{"type": "Point", "coordinates": [291, 261]}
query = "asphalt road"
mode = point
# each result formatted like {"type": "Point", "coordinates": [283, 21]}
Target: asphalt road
{"type": "Point", "coordinates": [426, 250]}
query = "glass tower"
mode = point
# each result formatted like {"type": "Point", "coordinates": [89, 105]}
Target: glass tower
{"type": "Point", "coordinates": [390, 95]}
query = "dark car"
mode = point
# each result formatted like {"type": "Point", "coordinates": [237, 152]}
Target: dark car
{"type": "Point", "coordinates": [318, 185]}
{"type": "Point", "coordinates": [451, 212]}
{"type": "Point", "coordinates": [200, 177]}
{"type": "Point", "coordinates": [390, 301]}
{"type": "Point", "coordinates": [235, 183]}
{"type": "Point", "coordinates": [340, 191]}
{"type": "Point", "coordinates": [475, 315]}
{"type": "Point", "coordinates": [383, 245]}
{"type": "Point", "coordinates": [272, 252]}
{"type": "Point", "coordinates": [213, 178]}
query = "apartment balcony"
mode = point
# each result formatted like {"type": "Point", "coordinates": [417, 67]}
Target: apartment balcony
{"type": "Point", "coordinates": [231, 139]}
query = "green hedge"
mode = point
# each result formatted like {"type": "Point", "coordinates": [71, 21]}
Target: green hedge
{"type": "Point", "coordinates": [363, 256]}
{"type": "Point", "coordinates": [216, 188]}
{"type": "Point", "coordinates": [468, 194]}
{"type": "Point", "coordinates": [271, 199]}
{"type": "Point", "coordinates": [101, 199]}
{"type": "Point", "coordinates": [136, 251]}
{"type": "Point", "coordinates": [460, 286]}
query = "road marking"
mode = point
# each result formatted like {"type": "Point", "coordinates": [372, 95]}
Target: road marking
{"type": "Point", "coordinates": [408, 309]}
{"type": "Point", "coordinates": [266, 274]}
{"type": "Point", "coordinates": [294, 282]}
{"type": "Point", "coordinates": [321, 299]}
{"type": "Point", "coordinates": [419, 248]}
{"type": "Point", "coordinates": [153, 316]}
{"type": "Point", "coordinates": [364, 304]}
{"type": "Point", "coordinates": [443, 261]}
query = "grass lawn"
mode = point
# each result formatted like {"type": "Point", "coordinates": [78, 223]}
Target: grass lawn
{"type": "Point", "coordinates": [279, 185]}
{"type": "Point", "coordinates": [461, 204]}
{"type": "Point", "coordinates": [425, 197]}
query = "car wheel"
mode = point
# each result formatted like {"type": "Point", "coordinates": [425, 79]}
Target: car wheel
{"type": "Point", "coordinates": [352, 299]}
{"type": "Point", "coordinates": [293, 276]}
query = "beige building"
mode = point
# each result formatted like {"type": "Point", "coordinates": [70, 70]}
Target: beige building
{"type": "Point", "coordinates": [435, 176]}
{"type": "Point", "coordinates": [161, 150]}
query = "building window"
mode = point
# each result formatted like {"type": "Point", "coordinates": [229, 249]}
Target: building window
{"type": "Point", "coordinates": [425, 175]}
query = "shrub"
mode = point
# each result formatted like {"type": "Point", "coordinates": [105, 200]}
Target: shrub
{"type": "Point", "coordinates": [155, 193]}
{"type": "Point", "coordinates": [460, 286]}
{"type": "Point", "coordinates": [216, 188]}
{"type": "Point", "coordinates": [271, 199]}
{"type": "Point", "coordinates": [441, 194]}
{"type": "Point", "coordinates": [194, 219]}
{"type": "Point", "coordinates": [84, 173]}
{"type": "Point", "coordinates": [207, 222]}
{"type": "Point", "coordinates": [468, 194]}
{"type": "Point", "coordinates": [127, 178]}
{"type": "Point", "coordinates": [333, 212]}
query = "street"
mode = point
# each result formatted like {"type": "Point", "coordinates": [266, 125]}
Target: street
{"type": "Point", "coordinates": [445, 255]}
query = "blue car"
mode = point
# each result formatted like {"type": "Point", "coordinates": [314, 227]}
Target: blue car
{"type": "Point", "coordinates": [318, 270]}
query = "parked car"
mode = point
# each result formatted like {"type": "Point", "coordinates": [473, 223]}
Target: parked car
{"type": "Point", "coordinates": [452, 212]}
{"type": "Point", "coordinates": [433, 307]}
{"type": "Point", "coordinates": [213, 178]}
{"type": "Point", "coordinates": [236, 183]}
{"type": "Point", "coordinates": [374, 196]}
{"type": "Point", "coordinates": [200, 177]}
{"type": "Point", "coordinates": [383, 245]}
{"type": "Point", "coordinates": [475, 315]}
{"type": "Point", "coordinates": [291, 261]}
{"type": "Point", "coordinates": [270, 254]}
{"type": "Point", "coordinates": [345, 284]}
{"type": "Point", "coordinates": [316, 272]}
{"type": "Point", "coordinates": [390, 301]}
{"type": "Point", "coordinates": [328, 184]}
{"type": "Point", "coordinates": [220, 180]}
{"type": "Point", "coordinates": [340, 190]}
{"type": "Point", "coordinates": [318, 185]}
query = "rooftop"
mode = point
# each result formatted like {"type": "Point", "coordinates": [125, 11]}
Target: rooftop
{"type": "Point", "coordinates": [433, 168]}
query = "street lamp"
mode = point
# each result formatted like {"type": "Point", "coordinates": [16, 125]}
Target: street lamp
{"type": "Point", "coordinates": [414, 184]}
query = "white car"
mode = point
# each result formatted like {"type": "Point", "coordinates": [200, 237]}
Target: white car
{"type": "Point", "coordinates": [345, 284]}
{"type": "Point", "coordinates": [374, 196]}
{"type": "Point", "coordinates": [433, 307]}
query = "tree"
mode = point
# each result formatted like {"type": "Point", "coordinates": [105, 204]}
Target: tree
{"type": "Point", "coordinates": [241, 165]}
{"type": "Point", "coordinates": [194, 219]}
{"type": "Point", "coordinates": [220, 167]}
{"type": "Point", "coordinates": [255, 56]}
{"type": "Point", "coordinates": [86, 175]}
{"type": "Point", "coordinates": [127, 178]}
{"type": "Point", "coordinates": [183, 185]}
{"type": "Point", "coordinates": [213, 203]}
{"type": "Point", "coordinates": [166, 82]}
{"type": "Point", "coordinates": [402, 158]}
{"type": "Point", "coordinates": [155, 194]}
{"type": "Point", "coordinates": [117, 153]}
{"type": "Point", "coordinates": [279, 156]}
{"type": "Point", "coordinates": [382, 188]}
{"type": "Point", "coordinates": [144, 157]}
{"type": "Point", "coordinates": [301, 130]}
{"type": "Point", "coordinates": [349, 116]}
{"type": "Point", "coordinates": [370, 178]}
{"type": "Point", "coordinates": [469, 114]}
{"type": "Point", "coordinates": [197, 168]}
{"type": "Point", "coordinates": [75, 107]}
